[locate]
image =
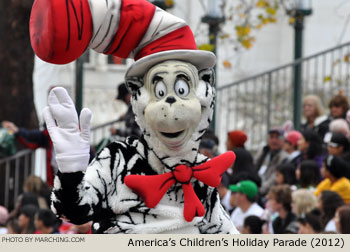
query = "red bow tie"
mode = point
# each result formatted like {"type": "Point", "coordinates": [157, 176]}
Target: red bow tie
{"type": "Point", "coordinates": [151, 188]}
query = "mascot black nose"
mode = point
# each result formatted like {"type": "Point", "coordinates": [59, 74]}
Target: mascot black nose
{"type": "Point", "coordinates": [170, 99]}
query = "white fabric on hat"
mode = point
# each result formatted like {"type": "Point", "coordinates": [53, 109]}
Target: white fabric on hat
{"type": "Point", "coordinates": [105, 17]}
{"type": "Point", "coordinates": [162, 23]}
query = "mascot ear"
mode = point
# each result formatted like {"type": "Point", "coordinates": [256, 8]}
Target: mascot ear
{"type": "Point", "coordinates": [133, 84]}
{"type": "Point", "coordinates": [207, 75]}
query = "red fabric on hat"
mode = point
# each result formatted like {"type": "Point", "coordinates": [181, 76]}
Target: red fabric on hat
{"type": "Point", "coordinates": [60, 30]}
{"type": "Point", "coordinates": [135, 17]}
{"type": "Point", "coordinates": [179, 39]}
{"type": "Point", "coordinates": [151, 188]}
{"type": "Point", "coordinates": [237, 137]}
{"type": "Point", "coordinates": [293, 137]}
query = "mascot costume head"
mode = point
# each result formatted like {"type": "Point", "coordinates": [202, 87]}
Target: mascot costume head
{"type": "Point", "coordinates": [153, 179]}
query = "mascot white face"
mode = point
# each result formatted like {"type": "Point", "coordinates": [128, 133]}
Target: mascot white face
{"type": "Point", "coordinates": [173, 111]}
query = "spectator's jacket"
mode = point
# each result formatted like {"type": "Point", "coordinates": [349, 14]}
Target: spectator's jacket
{"type": "Point", "coordinates": [289, 225]}
{"type": "Point", "coordinates": [268, 177]}
{"type": "Point", "coordinates": [341, 186]}
{"type": "Point", "coordinates": [321, 125]}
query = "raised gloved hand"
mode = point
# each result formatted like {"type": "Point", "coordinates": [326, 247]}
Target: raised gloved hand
{"type": "Point", "coordinates": [72, 145]}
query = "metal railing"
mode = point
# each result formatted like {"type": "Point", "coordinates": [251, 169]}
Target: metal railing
{"type": "Point", "coordinates": [14, 170]}
{"type": "Point", "coordinates": [102, 131]}
{"type": "Point", "coordinates": [256, 103]}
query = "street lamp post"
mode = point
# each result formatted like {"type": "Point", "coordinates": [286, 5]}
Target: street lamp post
{"type": "Point", "coordinates": [300, 9]}
{"type": "Point", "coordinates": [214, 17]}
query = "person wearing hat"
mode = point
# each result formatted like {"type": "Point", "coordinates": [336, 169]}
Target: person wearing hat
{"type": "Point", "coordinates": [291, 147]}
{"type": "Point", "coordinates": [159, 183]}
{"type": "Point", "coordinates": [244, 196]}
{"type": "Point", "coordinates": [339, 145]}
{"type": "Point", "coordinates": [334, 171]}
{"type": "Point", "coordinates": [131, 127]}
{"type": "Point", "coordinates": [235, 139]}
{"type": "Point", "coordinates": [269, 158]}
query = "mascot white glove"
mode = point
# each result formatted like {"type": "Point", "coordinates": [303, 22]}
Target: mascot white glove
{"type": "Point", "coordinates": [72, 145]}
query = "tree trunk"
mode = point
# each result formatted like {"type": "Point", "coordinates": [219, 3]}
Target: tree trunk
{"type": "Point", "coordinates": [16, 64]}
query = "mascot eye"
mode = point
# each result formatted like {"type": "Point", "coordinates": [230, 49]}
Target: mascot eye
{"type": "Point", "coordinates": [181, 88]}
{"type": "Point", "coordinates": [160, 90]}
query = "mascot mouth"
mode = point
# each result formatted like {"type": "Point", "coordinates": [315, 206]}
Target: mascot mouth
{"type": "Point", "coordinates": [172, 135]}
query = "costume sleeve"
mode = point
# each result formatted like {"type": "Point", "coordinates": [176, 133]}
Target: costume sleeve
{"type": "Point", "coordinates": [34, 136]}
{"type": "Point", "coordinates": [84, 196]}
{"type": "Point", "coordinates": [216, 219]}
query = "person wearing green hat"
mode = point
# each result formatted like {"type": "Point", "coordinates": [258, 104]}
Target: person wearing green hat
{"type": "Point", "coordinates": [244, 195]}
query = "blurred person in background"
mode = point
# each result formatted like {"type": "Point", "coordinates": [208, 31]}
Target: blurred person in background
{"type": "Point", "coordinates": [225, 193]}
{"type": "Point", "coordinates": [12, 226]}
{"type": "Point", "coordinates": [4, 216]}
{"type": "Point", "coordinates": [308, 175]}
{"type": "Point", "coordinates": [314, 115]}
{"type": "Point", "coordinates": [46, 222]}
{"type": "Point", "coordinates": [244, 196]}
{"type": "Point", "coordinates": [26, 219]}
{"type": "Point", "coordinates": [311, 223]}
{"type": "Point", "coordinates": [208, 148]}
{"type": "Point", "coordinates": [339, 126]}
{"type": "Point", "coordinates": [252, 225]}
{"type": "Point", "coordinates": [280, 200]}
{"type": "Point", "coordinates": [338, 106]}
{"type": "Point", "coordinates": [285, 174]}
{"type": "Point", "coordinates": [310, 146]}
{"type": "Point", "coordinates": [131, 127]}
{"type": "Point", "coordinates": [342, 219]}
{"type": "Point", "coordinates": [36, 185]}
{"type": "Point", "coordinates": [303, 201]}
{"type": "Point", "coordinates": [26, 198]}
{"type": "Point", "coordinates": [339, 145]}
{"type": "Point", "coordinates": [243, 168]}
{"type": "Point", "coordinates": [236, 139]}
{"type": "Point", "coordinates": [35, 139]}
{"type": "Point", "coordinates": [291, 147]}
{"type": "Point", "coordinates": [269, 158]}
{"type": "Point", "coordinates": [334, 171]}
{"type": "Point", "coordinates": [328, 202]}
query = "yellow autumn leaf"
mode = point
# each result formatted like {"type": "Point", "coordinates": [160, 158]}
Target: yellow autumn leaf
{"type": "Point", "coordinates": [346, 58]}
{"type": "Point", "coordinates": [265, 21]}
{"type": "Point", "coordinates": [206, 47]}
{"type": "Point", "coordinates": [246, 43]}
{"type": "Point", "coordinates": [227, 64]}
{"type": "Point", "coordinates": [271, 11]}
{"type": "Point", "coordinates": [224, 36]}
{"type": "Point", "coordinates": [169, 3]}
{"type": "Point", "coordinates": [272, 20]}
{"type": "Point", "coordinates": [262, 4]}
{"type": "Point", "coordinates": [327, 78]}
{"type": "Point", "coordinates": [259, 26]}
{"type": "Point", "coordinates": [242, 31]}
{"type": "Point", "coordinates": [291, 20]}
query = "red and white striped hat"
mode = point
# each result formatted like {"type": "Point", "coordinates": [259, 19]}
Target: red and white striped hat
{"type": "Point", "coordinates": [61, 30]}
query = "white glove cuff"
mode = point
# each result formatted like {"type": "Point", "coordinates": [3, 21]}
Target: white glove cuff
{"type": "Point", "coordinates": [76, 163]}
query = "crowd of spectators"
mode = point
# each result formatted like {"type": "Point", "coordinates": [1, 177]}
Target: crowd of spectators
{"type": "Point", "coordinates": [299, 182]}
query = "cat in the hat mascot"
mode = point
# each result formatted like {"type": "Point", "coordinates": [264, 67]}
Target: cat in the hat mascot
{"type": "Point", "coordinates": [159, 183]}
